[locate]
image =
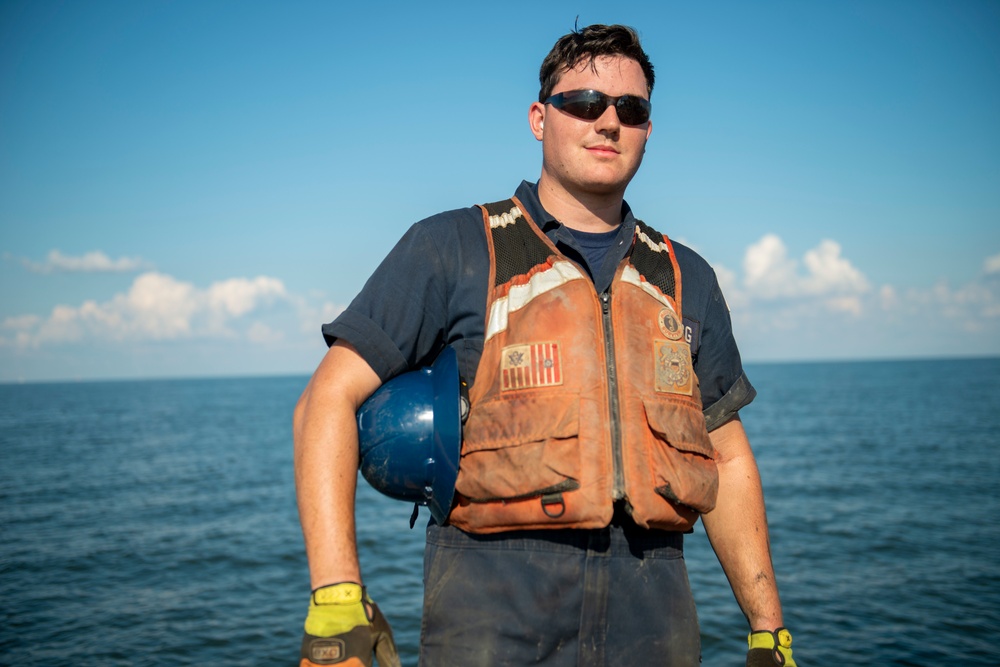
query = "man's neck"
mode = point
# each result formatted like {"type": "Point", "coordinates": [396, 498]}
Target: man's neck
{"type": "Point", "coordinates": [585, 212]}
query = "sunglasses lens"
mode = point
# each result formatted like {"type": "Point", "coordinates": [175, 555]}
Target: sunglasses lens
{"type": "Point", "coordinates": [632, 110]}
{"type": "Point", "coordinates": [588, 104]}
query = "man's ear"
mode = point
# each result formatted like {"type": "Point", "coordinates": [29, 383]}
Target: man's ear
{"type": "Point", "coordinates": [536, 119]}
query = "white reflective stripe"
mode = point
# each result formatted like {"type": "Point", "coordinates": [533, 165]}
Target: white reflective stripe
{"type": "Point", "coordinates": [655, 247]}
{"type": "Point", "coordinates": [520, 296]}
{"type": "Point", "coordinates": [504, 219]}
{"type": "Point", "coordinates": [631, 276]}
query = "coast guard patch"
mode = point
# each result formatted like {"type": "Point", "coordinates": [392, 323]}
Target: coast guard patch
{"type": "Point", "coordinates": [674, 374]}
{"type": "Point", "coordinates": [531, 365]}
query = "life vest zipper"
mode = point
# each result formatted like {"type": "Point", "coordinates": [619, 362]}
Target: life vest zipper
{"type": "Point", "coordinates": [618, 492]}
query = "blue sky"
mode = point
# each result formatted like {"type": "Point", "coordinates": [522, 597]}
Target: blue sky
{"type": "Point", "coordinates": [192, 188]}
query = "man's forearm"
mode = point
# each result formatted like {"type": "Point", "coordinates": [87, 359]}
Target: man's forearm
{"type": "Point", "coordinates": [737, 529]}
{"type": "Point", "coordinates": [326, 464]}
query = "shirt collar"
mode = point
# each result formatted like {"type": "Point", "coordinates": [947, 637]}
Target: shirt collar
{"type": "Point", "coordinates": [527, 193]}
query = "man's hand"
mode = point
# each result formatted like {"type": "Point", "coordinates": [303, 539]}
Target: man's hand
{"type": "Point", "coordinates": [768, 649]}
{"type": "Point", "coordinates": [344, 627]}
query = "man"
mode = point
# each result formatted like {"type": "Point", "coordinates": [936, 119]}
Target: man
{"type": "Point", "coordinates": [576, 484]}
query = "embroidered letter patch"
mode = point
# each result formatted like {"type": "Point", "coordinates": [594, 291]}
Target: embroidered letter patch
{"type": "Point", "coordinates": [674, 374]}
{"type": "Point", "coordinates": [532, 365]}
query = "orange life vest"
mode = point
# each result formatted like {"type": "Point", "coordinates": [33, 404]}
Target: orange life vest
{"type": "Point", "coordinates": [581, 400]}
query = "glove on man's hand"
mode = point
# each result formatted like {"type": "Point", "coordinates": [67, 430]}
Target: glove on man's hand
{"type": "Point", "coordinates": [768, 649]}
{"type": "Point", "coordinates": [344, 627]}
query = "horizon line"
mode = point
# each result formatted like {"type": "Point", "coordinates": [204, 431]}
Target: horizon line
{"type": "Point", "coordinates": [307, 374]}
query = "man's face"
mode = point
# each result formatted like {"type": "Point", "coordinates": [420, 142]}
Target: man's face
{"type": "Point", "coordinates": [596, 157]}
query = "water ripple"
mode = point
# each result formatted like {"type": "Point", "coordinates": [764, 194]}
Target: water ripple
{"type": "Point", "coordinates": [155, 522]}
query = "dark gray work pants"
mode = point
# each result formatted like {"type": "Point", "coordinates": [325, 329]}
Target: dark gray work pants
{"type": "Point", "coordinates": [561, 598]}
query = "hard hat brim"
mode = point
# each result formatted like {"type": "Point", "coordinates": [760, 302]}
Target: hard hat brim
{"type": "Point", "coordinates": [447, 432]}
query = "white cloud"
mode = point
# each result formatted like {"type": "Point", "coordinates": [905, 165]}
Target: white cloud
{"type": "Point", "coordinates": [21, 322]}
{"type": "Point", "coordinates": [968, 307]}
{"type": "Point", "coordinates": [774, 283]}
{"type": "Point", "coordinates": [313, 315]}
{"type": "Point", "coordinates": [823, 305]}
{"type": "Point", "coordinates": [160, 307]}
{"type": "Point", "coordinates": [91, 262]}
{"type": "Point", "coordinates": [768, 272]}
{"type": "Point", "coordinates": [781, 290]}
{"type": "Point", "coordinates": [845, 304]}
{"type": "Point", "coordinates": [261, 333]}
{"type": "Point", "coordinates": [888, 297]}
{"type": "Point", "coordinates": [831, 273]}
{"type": "Point", "coordinates": [238, 296]}
{"type": "Point", "coordinates": [771, 274]}
{"type": "Point", "coordinates": [160, 325]}
{"type": "Point", "coordinates": [728, 282]}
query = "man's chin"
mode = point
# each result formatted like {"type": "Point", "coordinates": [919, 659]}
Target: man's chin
{"type": "Point", "coordinates": [603, 185]}
{"type": "Point", "coordinates": [610, 183]}
{"type": "Point", "coordinates": [604, 188]}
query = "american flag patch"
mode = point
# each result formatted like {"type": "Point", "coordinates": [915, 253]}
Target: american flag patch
{"type": "Point", "coordinates": [532, 365]}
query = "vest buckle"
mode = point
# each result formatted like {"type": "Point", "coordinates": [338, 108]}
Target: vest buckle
{"type": "Point", "coordinates": [553, 501]}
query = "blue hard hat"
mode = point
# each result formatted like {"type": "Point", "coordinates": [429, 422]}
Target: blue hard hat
{"type": "Point", "coordinates": [410, 435]}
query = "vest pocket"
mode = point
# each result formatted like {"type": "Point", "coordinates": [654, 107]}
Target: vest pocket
{"type": "Point", "coordinates": [682, 457]}
{"type": "Point", "coordinates": [519, 448]}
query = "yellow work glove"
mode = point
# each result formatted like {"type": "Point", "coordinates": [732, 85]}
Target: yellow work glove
{"type": "Point", "coordinates": [344, 627]}
{"type": "Point", "coordinates": [768, 649]}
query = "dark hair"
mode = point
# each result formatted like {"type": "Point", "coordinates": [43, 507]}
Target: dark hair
{"type": "Point", "coordinates": [589, 44]}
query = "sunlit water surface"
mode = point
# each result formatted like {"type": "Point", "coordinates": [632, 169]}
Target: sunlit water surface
{"type": "Point", "coordinates": [154, 523]}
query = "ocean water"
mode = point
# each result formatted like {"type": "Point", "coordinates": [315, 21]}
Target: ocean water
{"type": "Point", "coordinates": [154, 523]}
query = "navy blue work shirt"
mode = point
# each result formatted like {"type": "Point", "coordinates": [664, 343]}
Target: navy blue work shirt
{"type": "Point", "coordinates": [431, 291]}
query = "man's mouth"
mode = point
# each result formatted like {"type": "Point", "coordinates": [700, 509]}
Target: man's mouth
{"type": "Point", "coordinates": [602, 148]}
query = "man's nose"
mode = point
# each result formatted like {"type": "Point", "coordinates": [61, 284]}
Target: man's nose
{"type": "Point", "coordinates": [608, 121]}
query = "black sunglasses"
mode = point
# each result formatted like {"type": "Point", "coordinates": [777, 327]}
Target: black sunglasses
{"type": "Point", "coordinates": [591, 104]}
